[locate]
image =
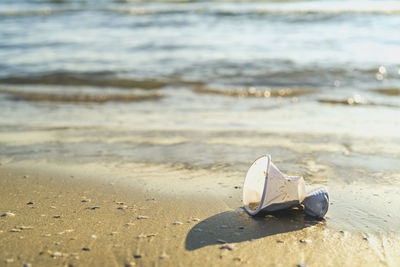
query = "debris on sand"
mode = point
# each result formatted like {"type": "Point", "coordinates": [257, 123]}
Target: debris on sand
{"type": "Point", "coordinates": [141, 217]}
{"type": "Point", "coordinates": [56, 254]}
{"type": "Point", "coordinates": [8, 214]}
{"type": "Point", "coordinates": [226, 246]}
{"type": "Point", "coordinates": [164, 255]}
{"type": "Point", "coordinates": [22, 227]}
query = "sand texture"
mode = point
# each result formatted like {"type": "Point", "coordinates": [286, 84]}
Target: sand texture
{"type": "Point", "coordinates": [138, 214]}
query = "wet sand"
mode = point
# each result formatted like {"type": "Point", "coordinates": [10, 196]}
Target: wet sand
{"type": "Point", "coordinates": [160, 215]}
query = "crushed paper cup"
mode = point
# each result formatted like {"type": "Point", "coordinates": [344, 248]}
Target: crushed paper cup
{"type": "Point", "coordinates": [267, 189]}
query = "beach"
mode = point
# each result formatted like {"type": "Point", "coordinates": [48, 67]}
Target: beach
{"type": "Point", "coordinates": [127, 129]}
{"type": "Point", "coordinates": [94, 210]}
{"type": "Point", "coordinates": [95, 215]}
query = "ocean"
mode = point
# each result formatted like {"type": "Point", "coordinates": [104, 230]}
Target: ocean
{"type": "Point", "coordinates": [209, 85]}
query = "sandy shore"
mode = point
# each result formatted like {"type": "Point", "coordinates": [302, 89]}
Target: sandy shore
{"type": "Point", "coordinates": [158, 215]}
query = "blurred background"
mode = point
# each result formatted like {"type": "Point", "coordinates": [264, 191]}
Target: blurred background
{"type": "Point", "coordinates": [223, 81]}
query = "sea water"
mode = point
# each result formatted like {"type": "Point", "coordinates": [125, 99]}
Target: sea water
{"type": "Point", "coordinates": [210, 84]}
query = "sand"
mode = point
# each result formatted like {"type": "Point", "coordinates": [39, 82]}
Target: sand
{"type": "Point", "coordinates": [159, 215]}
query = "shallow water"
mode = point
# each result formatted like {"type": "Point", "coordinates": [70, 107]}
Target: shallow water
{"type": "Point", "coordinates": [209, 85]}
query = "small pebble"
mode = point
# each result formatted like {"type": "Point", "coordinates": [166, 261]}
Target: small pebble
{"type": "Point", "coordinates": [280, 241]}
{"type": "Point", "coordinates": [177, 223]}
{"type": "Point", "coordinates": [9, 214]}
{"type": "Point", "coordinates": [120, 203]}
{"type": "Point", "coordinates": [197, 229]}
{"type": "Point", "coordinates": [241, 227]}
{"type": "Point", "coordinates": [140, 217]}
{"type": "Point", "coordinates": [29, 203]}
{"type": "Point", "coordinates": [57, 216]}
{"type": "Point", "coordinates": [85, 200]}
{"type": "Point", "coordinates": [53, 207]}
{"type": "Point", "coordinates": [137, 256]}
{"type": "Point", "coordinates": [195, 219]}
{"type": "Point", "coordinates": [46, 251]}
{"type": "Point", "coordinates": [27, 265]}
{"type": "Point", "coordinates": [238, 187]}
{"type": "Point", "coordinates": [305, 241]}
{"type": "Point", "coordinates": [226, 246]}
{"type": "Point", "coordinates": [164, 256]}
{"type": "Point", "coordinates": [345, 233]}
{"type": "Point", "coordinates": [130, 264]}
{"type": "Point", "coordinates": [47, 235]}
{"type": "Point", "coordinates": [56, 254]}
{"type": "Point", "coordinates": [301, 265]}
{"type": "Point", "coordinates": [95, 207]}
{"type": "Point", "coordinates": [221, 241]}
{"type": "Point", "coordinates": [122, 207]}
{"type": "Point", "coordinates": [22, 227]}
{"type": "Point", "coordinates": [93, 236]}
{"type": "Point", "coordinates": [86, 249]}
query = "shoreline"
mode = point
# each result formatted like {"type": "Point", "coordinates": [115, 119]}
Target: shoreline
{"type": "Point", "coordinates": [186, 222]}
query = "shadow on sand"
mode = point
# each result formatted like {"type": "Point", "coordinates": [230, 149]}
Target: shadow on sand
{"type": "Point", "coordinates": [237, 226]}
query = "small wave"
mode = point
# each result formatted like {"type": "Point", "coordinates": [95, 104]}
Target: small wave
{"type": "Point", "coordinates": [79, 98]}
{"type": "Point", "coordinates": [388, 91]}
{"type": "Point", "coordinates": [149, 11]}
{"type": "Point", "coordinates": [253, 92]}
{"type": "Point", "coordinates": [329, 10]}
{"type": "Point", "coordinates": [85, 79]}
{"type": "Point", "coordinates": [37, 12]}
{"type": "Point", "coordinates": [351, 101]}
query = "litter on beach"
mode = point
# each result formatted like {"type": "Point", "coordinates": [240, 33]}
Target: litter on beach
{"type": "Point", "coordinates": [266, 188]}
